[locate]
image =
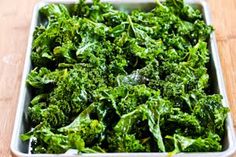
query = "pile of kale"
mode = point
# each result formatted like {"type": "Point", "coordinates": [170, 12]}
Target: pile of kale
{"type": "Point", "coordinates": [105, 80]}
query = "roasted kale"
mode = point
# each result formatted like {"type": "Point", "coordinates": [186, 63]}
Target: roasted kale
{"type": "Point", "coordinates": [104, 80]}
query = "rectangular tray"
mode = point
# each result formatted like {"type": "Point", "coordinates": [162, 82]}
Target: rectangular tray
{"type": "Point", "coordinates": [21, 149]}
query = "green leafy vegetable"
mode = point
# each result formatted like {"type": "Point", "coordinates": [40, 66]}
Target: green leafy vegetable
{"type": "Point", "coordinates": [104, 80]}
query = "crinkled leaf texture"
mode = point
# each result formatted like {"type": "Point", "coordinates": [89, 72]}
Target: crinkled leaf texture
{"type": "Point", "coordinates": [104, 80]}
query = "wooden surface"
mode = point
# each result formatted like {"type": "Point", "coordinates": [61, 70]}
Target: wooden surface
{"type": "Point", "coordinates": [15, 17]}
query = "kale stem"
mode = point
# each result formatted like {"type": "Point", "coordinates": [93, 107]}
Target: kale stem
{"type": "Point", "coordinates": [131, 24]}
{"type": "Point", "coordinates": [159, 3]}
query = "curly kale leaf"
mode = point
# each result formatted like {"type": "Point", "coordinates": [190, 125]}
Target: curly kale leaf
{"type": "Point", "coordinates": [125, 143]}
{"type": "Point", "coordinates": [49, 142]}
{"type": "Point", "coordinates": [202, 144]}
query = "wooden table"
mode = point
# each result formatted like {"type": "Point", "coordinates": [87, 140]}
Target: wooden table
{"type": "Point", "coordinates": [15, 17]}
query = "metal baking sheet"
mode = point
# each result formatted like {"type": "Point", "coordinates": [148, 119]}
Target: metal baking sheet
{"type": "Point", "coordinates": [21, 149]}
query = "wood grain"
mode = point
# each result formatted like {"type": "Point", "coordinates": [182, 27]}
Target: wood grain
{"type": "Point", "coordinates": [15, 19]}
